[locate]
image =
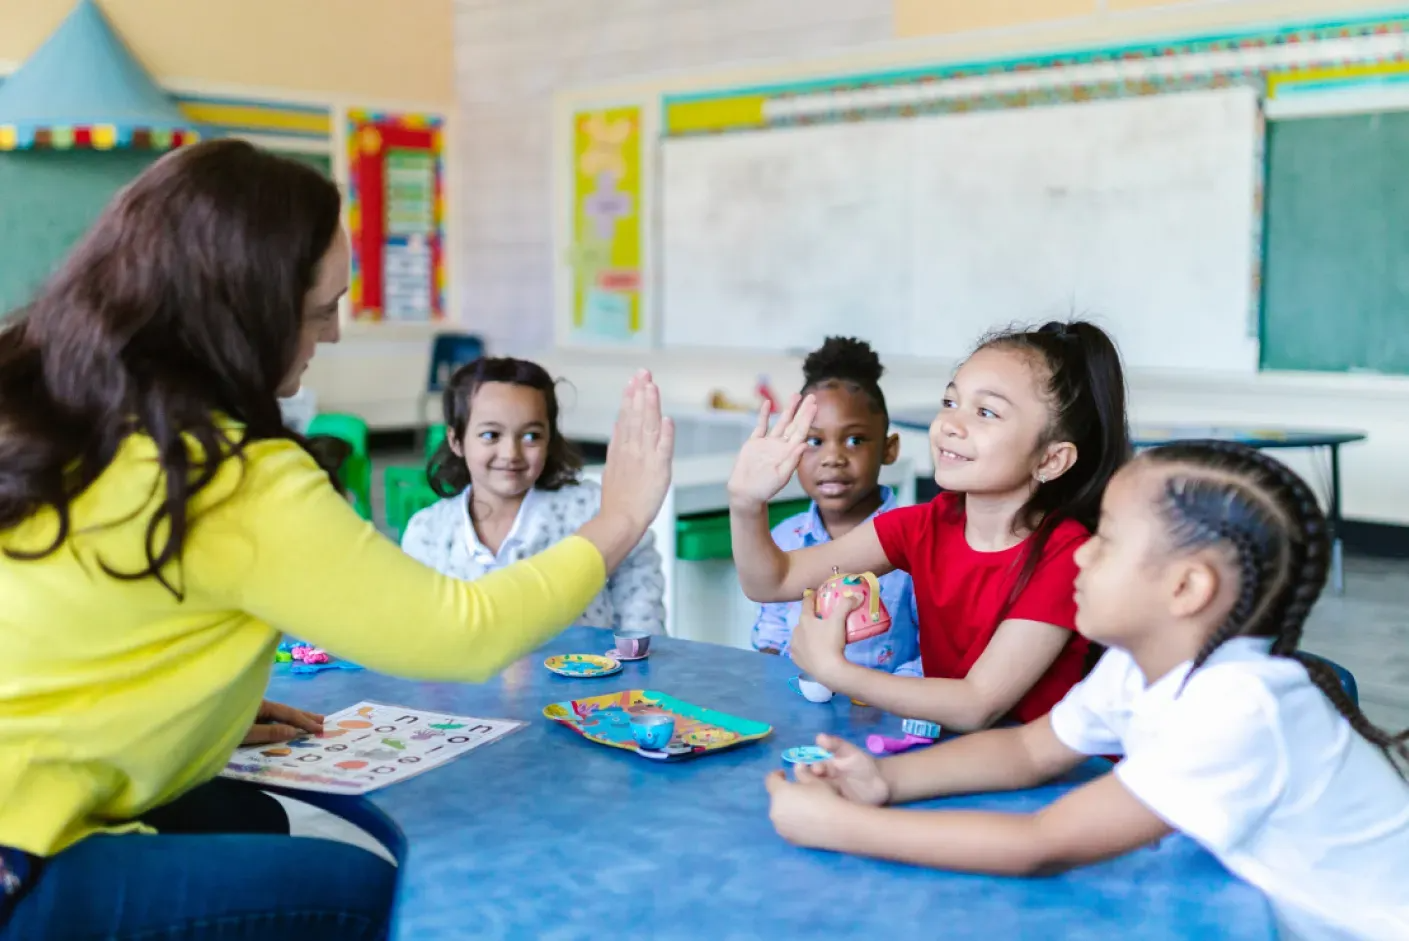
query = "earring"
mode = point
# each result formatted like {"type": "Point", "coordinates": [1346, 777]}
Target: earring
{"type": "Point", "coordinates": [1041, 479]}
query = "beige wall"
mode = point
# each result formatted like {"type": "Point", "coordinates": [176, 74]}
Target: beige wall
{"type": "Point", "coordinates": [1126, 18]}
{"type": "Point", "coordinates": [377, 50]}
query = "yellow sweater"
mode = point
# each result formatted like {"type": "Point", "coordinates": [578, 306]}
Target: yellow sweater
{"type": "Point", "coordinates": [115, 697]}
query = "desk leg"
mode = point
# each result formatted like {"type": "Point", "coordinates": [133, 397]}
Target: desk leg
{"type": "Point", "coordinates": [1337, 551]}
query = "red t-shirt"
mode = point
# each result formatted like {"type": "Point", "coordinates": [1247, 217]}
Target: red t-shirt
{"type": "Point", "coordinates": [961, 593]}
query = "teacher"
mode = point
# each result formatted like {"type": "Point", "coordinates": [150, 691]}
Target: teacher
{"type": "Point", "coordinates": [159, 528]}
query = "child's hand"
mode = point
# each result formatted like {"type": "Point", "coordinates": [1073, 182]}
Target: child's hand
{"type": "Point", "coordinates": [804, 812]}
{"type": "Point", "coordinates": [768, 459]}
{"type": "Point", "coordinates": [851, 772]}
{"type": "Point", "coordinates": [818, 645]}
{"type": "Point", "coordinates": [276, 722]}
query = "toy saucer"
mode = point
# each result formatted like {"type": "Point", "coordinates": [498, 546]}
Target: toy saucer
{"type": "Point", "coordinates": [581, 666]}
{"type": "Point", "coordinates": [806, 755]}
{"type": "Point", "coordinates": [613, 655]}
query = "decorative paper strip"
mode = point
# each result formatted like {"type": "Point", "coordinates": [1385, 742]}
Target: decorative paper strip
{"type": "Point", "coordinates": [1347, 50]}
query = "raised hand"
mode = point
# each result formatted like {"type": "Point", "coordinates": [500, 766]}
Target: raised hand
{"type": "Point", "coordinates": [637, 473]}
{"type": "Point", "coordinates": [851, 772]}
{"type": "Point", "coordinates": [768, 459]}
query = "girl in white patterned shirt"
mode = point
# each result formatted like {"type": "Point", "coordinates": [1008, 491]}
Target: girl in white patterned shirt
{"type": "Point", "coordinates": [512, 489]}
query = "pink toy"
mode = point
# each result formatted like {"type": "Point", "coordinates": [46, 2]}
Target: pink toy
{"type": "Point", "coordinates": [917, 732]}
{"type": "Point", "coordinates": [306, 654]}
{"type": "Point", "coordinates": [870, 616]}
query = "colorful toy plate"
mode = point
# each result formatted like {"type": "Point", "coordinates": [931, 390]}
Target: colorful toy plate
{"type": "Point", "coordinates": [623, 657]}
{"type": "Point", "coordinates": [581, 666]}
{"type": "Point", "coordinates": [606, 720]}
{"type": "Point", "coordinates": [806, 755]}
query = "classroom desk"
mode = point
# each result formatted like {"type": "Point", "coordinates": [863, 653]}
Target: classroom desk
{"type": "Point", "coordinates": [546, 835]}
{"type": "Point", "coordinates": [1262, 438]}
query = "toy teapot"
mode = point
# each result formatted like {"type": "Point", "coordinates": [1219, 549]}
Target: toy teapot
{"type": "Point", "coordinates": [870, 616]}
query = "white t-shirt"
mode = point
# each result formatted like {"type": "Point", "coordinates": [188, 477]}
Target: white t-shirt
{"type": "Point", "coordinates": [1253, 762]}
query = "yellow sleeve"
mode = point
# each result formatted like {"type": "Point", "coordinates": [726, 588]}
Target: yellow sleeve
{"type": "Point", "coordinates": [276, 540]}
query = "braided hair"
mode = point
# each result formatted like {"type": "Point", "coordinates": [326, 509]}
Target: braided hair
{"type": "Point", "coordinates": [1220, 492]}
{"type": "Point", "coordinates": [845, 362]}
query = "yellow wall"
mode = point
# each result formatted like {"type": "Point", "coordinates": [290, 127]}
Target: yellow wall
{"type": "Point", "coordinates": [1108, 19]}
{"type": "Point", "coordinates": [392, 50]}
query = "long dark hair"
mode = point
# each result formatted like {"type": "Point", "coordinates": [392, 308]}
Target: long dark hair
{"type": "Point", "coordinates": [447, 472]}
{"type": "Point", "coordinates": [182, 304]}
{"type": "Point", "coordinates": [849, 363]}
{"type": "Point", "coordinates": [1223, 493]}
{"type": "Point", "coordinates": [1085, 389]}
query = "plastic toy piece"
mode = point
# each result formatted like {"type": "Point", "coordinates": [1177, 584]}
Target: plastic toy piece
{"type": "Point", "coordinates": [917, 732]}
{"type": "Point", "coordinates": [870, 616]}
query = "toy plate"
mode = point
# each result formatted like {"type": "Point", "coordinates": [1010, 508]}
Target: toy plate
{"type": "Point", "coordinates": [806, 755]}
{"type": "Point", "coordinates": [581, 666]}
{"type": "Point", "coordinates": [606, 720]}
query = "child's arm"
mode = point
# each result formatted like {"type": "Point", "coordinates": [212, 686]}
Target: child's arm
{"type": "Point", "coordinates": [1015, 659]}
{"type": "Point", "coordinates": [767, 573]}
{"type": "Point", "coordinates": [637, 590]}
{"type": "Point", "coordinates": [1098, 821]}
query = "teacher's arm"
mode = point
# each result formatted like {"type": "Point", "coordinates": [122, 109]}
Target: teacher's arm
{"type": "Point", "coordinates": [287, 549]}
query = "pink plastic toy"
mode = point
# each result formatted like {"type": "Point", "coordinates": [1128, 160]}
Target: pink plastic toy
{"type": "Point", "coordinates": [314, 655]}
{"type": "Point", "coordinates": [917, 732]}
{"type": "Point", "coordinates": [870, 616]}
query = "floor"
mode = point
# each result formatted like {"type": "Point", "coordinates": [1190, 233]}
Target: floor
{"type": "Point", "coordinates": [1366, 630]}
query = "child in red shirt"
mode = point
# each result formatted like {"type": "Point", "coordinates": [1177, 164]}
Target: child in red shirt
{"type": "Point", "coordinates": [1032, 428]}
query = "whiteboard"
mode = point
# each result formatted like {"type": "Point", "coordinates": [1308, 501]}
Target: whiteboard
{"type": "Point", "coordinates": [923, 234]}
{"type": "Point", "coordinates": [773, 241]}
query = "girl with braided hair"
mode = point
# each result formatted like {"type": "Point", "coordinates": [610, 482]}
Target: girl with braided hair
{"type": "Point", "coordinates": [1198, 580]}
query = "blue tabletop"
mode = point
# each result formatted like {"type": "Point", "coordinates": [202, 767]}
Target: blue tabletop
{"type": "Point", "coordinates": [1150, 436]}
{"type": "Point", "coordinates": [546, 835]}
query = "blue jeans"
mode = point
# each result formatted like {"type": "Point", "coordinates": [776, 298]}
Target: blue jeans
{"type": "Point", "coordinates": [198, 880]}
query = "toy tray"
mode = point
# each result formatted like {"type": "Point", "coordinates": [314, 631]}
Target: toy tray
{"type": "Point", "coordinates": [698, 731]}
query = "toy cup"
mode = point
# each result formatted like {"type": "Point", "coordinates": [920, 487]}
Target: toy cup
{"type": "Point", "coordinates": [812, 690]}
{"type": "Point", "coordinates": [653, 732]}
{"type": "Point", "coordinates": [633, 644]}
{"type": "Point", "coordinates": [870, 616]}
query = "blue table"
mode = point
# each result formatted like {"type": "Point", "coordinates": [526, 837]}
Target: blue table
{"type": "Point", "coordinates": [546, 835]}
{"type": "Point", "coordinates": [1261, 437]}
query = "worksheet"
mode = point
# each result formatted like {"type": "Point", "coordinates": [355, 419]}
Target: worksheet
{"type": "Point", "coordinates": [366, 747]}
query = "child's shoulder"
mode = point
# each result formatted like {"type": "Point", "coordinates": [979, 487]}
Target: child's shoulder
{"type": "Point", "coordinates": [443, 512]}
{"type": "Point", "coordinates": [1067, 536]}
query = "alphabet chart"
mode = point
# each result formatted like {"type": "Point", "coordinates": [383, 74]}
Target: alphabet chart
{"type": "Point", "coordinates": [365, 747]}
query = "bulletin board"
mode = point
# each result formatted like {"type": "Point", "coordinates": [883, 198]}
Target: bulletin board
{"type": "Point", "coordinates": [396, 216]}
{"type": "Point", "coordinates": [605, 254]}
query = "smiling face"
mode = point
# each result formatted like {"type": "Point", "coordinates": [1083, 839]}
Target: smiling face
{"type": "Point", "coordinates": [847, 445]}
{"type": "Point", "coordinates": [989, 437]}
{"type": "Point", "coordinates": [506, 441]}
{"type": "Point", "coordinates": [320, 311]}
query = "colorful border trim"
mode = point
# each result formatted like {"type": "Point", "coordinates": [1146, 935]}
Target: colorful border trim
{"type": "Point", "coordinates": [1333, 52]}
{"type": "Point", "coordinates": [237, 116]}
{"type": "Point", "coordinates": [369, 135]}
{"type": "Point", "coordinates": [93, 137]}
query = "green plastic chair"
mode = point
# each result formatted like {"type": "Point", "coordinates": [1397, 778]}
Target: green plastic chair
{"type": "Point", "coordinates": [407, 493]}
{"type": "Point", "coordinates": [349, 428]}
{"type": "Point", "coordinates": [435, 436]}
{"type": "Point", "coordinates": [356, 471]}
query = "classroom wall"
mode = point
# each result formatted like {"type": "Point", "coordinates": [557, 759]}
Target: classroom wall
{"type": "Point", "coordinates": [375, 49]}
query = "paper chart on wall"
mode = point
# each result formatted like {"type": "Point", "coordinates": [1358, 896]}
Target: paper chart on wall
{"type": "Point", "coordinates": [366, 747]}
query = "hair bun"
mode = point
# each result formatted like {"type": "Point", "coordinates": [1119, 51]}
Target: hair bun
{"type": "Point", "coordinates": [844, 358]}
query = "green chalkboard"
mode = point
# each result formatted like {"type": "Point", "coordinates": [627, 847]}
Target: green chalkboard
{"type": "Point", "coordinates": [1336, 295]}
{"type": "Point", "coordinates": [48, 199]}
